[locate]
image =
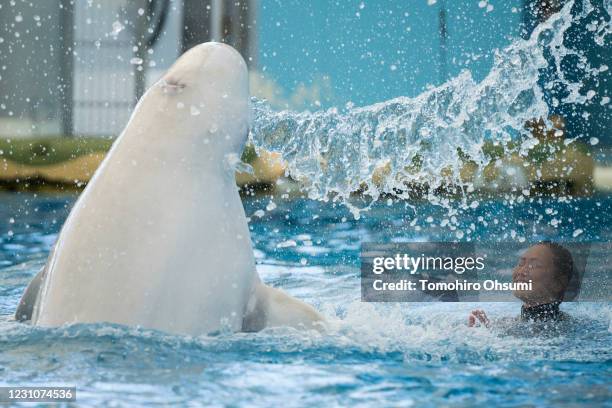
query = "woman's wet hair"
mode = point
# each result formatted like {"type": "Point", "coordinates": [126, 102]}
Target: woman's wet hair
{"type": "Point", "coordinates": [563, 261]}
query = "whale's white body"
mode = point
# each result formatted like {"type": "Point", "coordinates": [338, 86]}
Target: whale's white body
{"type": "Point", "coordinates": [159, 238]}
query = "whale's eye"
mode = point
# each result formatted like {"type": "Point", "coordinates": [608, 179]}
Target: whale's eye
{"type": "Point", "coordinates": [171, 85]}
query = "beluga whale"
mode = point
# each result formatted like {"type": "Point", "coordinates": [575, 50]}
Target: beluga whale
{"type": "Point", "coordinates": [159, 238]}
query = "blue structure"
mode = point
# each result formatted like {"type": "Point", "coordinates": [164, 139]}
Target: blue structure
{"type": "Point", "coordinates": [374, 51]}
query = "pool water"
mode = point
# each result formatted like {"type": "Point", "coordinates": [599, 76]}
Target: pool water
{"type": "Point", "coordinates": [400, 354]}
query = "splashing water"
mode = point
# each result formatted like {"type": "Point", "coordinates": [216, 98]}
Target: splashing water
{"type": "Point", "coordinates": [384, 147]}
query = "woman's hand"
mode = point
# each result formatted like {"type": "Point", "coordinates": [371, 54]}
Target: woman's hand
{"type": "Point", "coordinates": [478, 316]}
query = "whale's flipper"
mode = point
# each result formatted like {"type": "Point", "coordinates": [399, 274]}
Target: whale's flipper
{"type": "Point", "coordinates": [271, 307]}
{"type": "Point", "coordinates": [25, 309]}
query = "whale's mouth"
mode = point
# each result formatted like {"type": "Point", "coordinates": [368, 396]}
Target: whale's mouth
{"type": "Point", "coordinates": [171, 85]}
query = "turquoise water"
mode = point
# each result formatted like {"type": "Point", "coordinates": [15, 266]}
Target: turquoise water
{"type": "Point", "coordinates": [373, 354]}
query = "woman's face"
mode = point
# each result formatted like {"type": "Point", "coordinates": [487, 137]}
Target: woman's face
{"type": "Point", "coordinates": [537, 265]}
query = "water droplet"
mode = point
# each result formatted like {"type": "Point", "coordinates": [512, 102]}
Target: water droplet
{"type": "Point", "coordinates": [117, 28]}
{"type": "Point", "coordinates": [286, 244]}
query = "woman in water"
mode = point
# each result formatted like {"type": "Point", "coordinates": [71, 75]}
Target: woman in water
{"type": "Point", "coordinates": [549, 266]}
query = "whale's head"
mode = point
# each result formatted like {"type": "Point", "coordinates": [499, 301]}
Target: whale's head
{"type": "Point", "coordinates": [206, 91]}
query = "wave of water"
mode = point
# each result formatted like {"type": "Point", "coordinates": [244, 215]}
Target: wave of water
{"type": "Point", "coordinates": [426, 139]}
